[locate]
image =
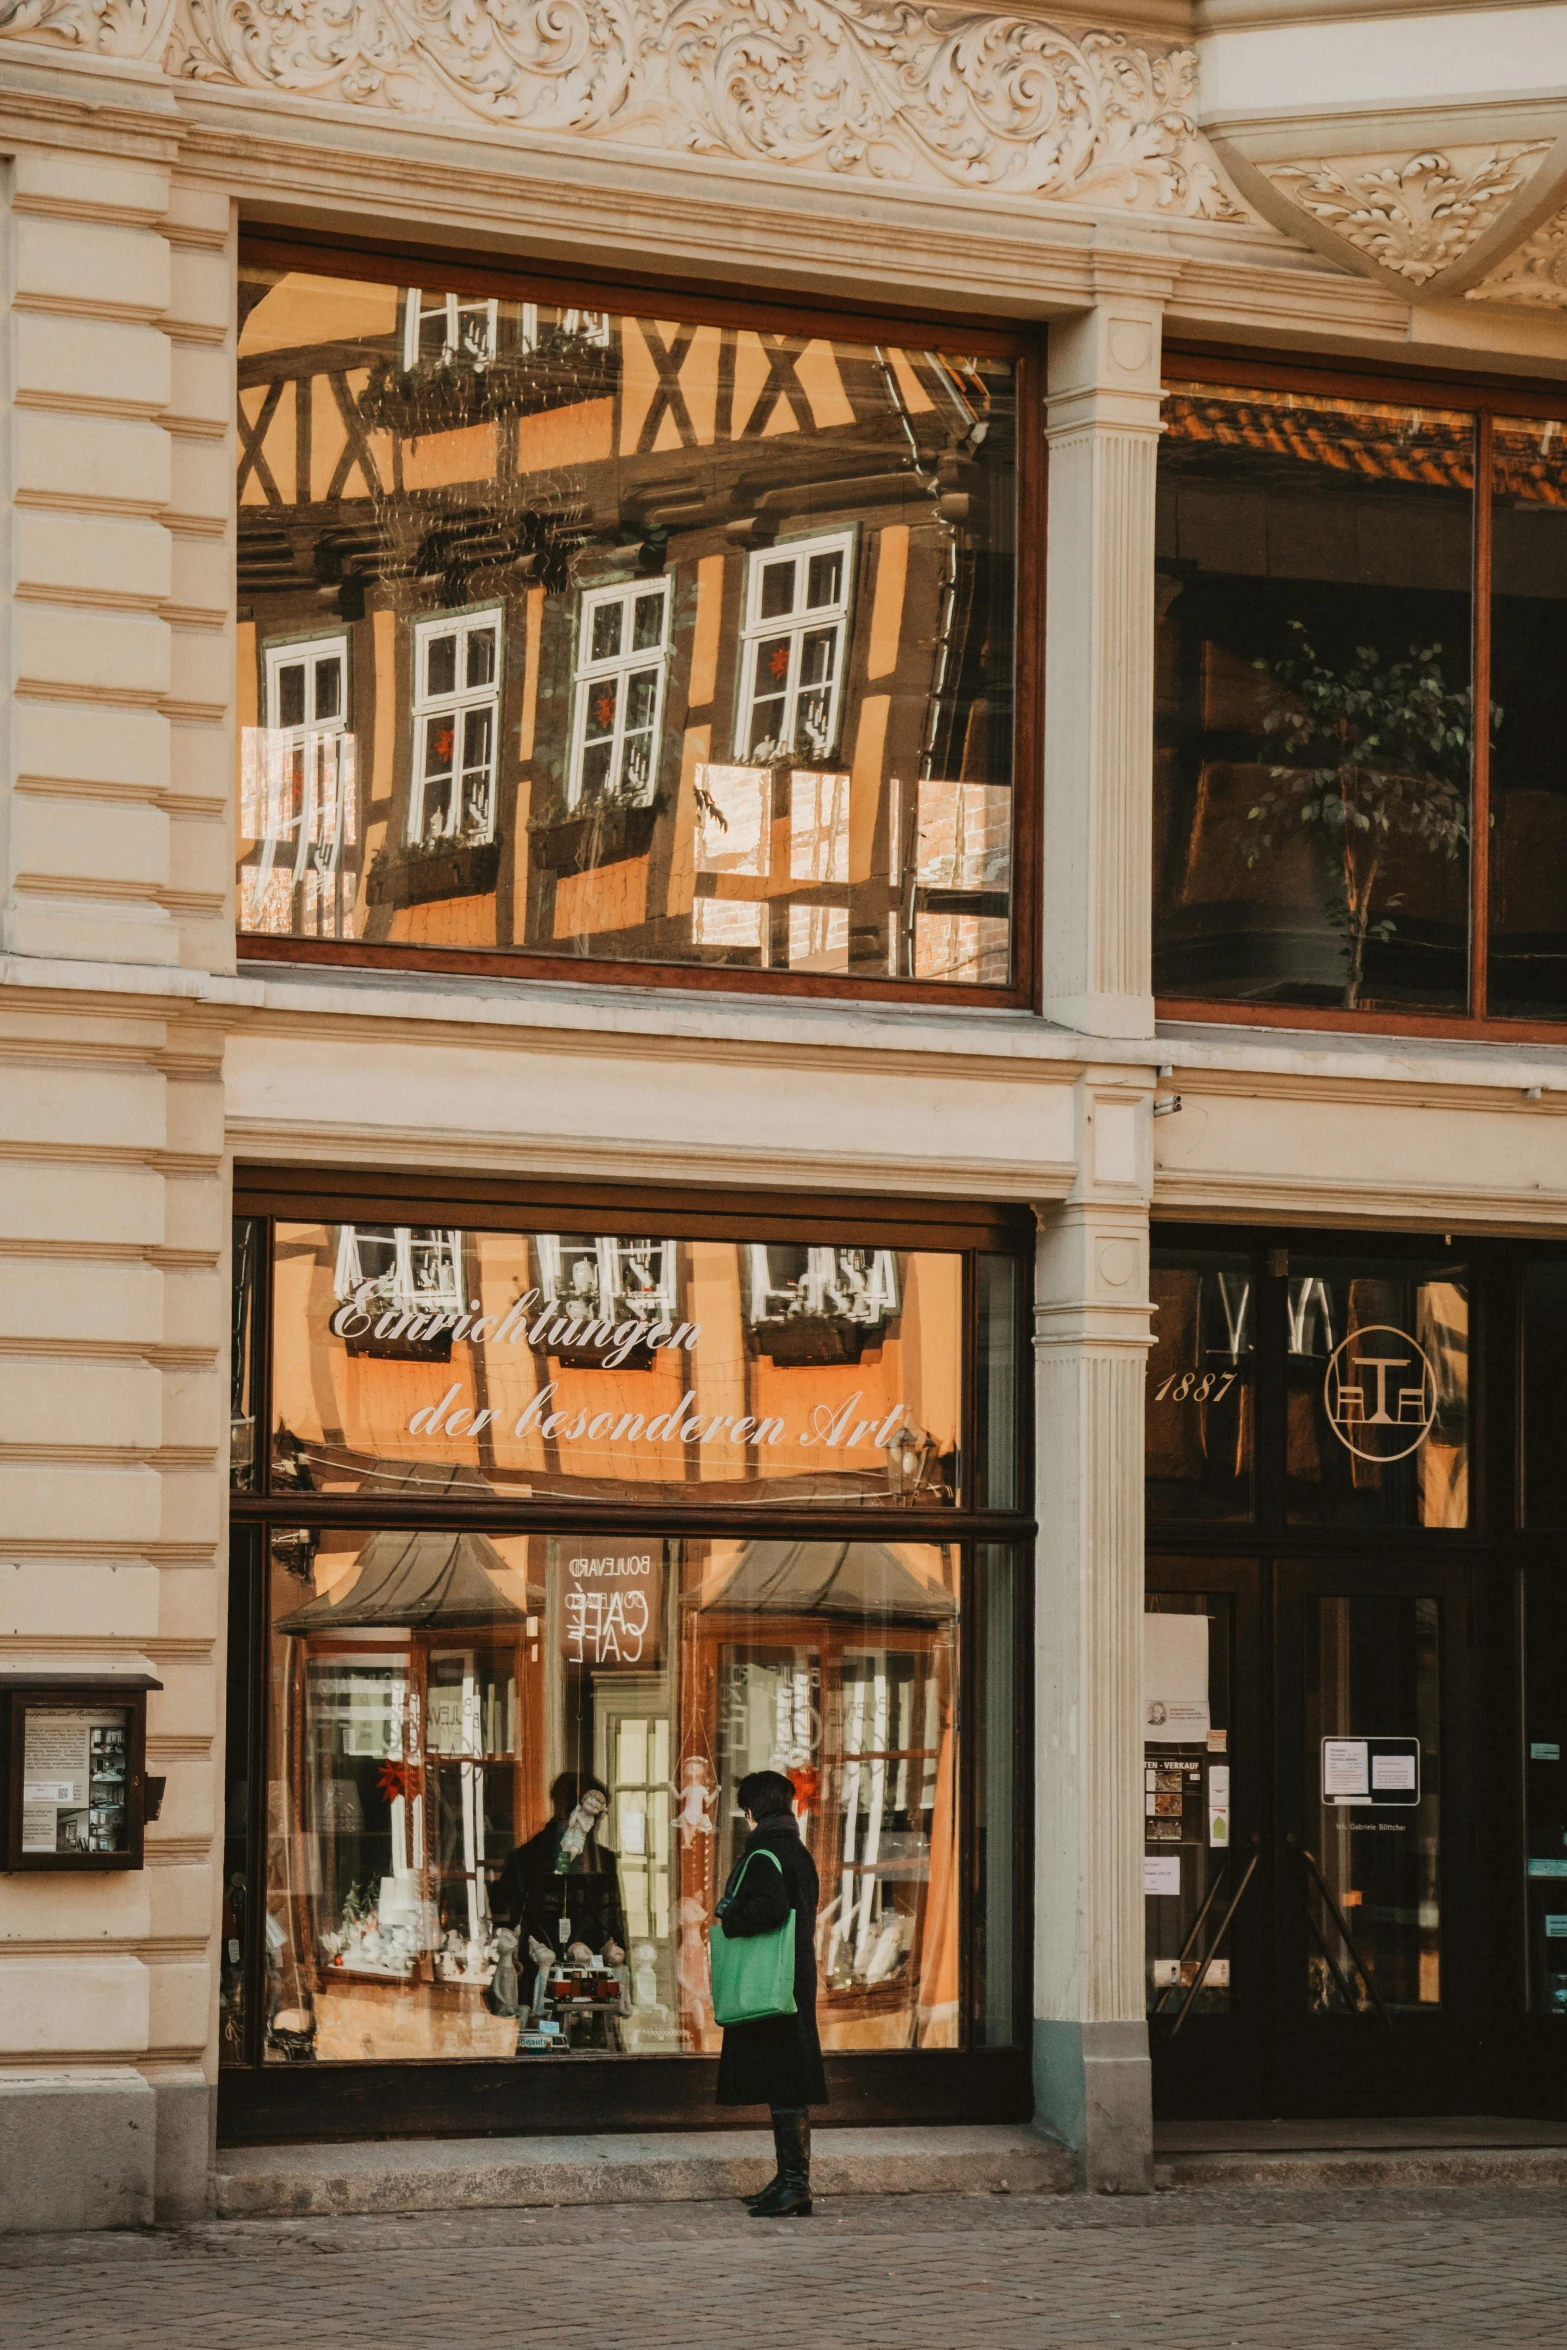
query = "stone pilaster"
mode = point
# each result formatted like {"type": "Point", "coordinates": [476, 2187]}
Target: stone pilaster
{"type": "Point", "coordinates": [1103, 428]}
{"type": "Point", "coordinates": [1092, 2083]}
{"type": "Point", "coordinates": [113, 892]}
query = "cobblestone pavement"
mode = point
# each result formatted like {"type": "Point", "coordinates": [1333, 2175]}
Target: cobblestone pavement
{"type": "Point", "coordinates": [1287, 2269]}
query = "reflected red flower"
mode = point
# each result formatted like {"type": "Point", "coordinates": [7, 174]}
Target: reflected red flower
{"type": "Point", "coordinates": [604, 711]}
{"type": "Point", "coordinates": [779, 663]}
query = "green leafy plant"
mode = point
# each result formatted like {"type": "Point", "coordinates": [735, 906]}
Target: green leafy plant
{"type": "Point", "coordinates": [1371, 753]}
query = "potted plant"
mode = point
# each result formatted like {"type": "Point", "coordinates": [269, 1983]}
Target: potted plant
{"type": "Point", "coordinates": [1374, 752]}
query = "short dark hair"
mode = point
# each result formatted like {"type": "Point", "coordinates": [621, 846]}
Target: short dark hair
{"type": "Point", "coordinates": [766, 1795]}
{"type": "Point", "coordinates": [569, 1789]}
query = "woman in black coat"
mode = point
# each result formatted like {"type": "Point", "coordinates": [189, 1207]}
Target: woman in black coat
{"type": "Point", "coordinates": [777, 2059]}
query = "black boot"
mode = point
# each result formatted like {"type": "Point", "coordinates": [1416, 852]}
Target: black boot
{"type": "Point", "coordinates": [790, 2198]}
{"type": "Point", "coordinates": [766, 2194]}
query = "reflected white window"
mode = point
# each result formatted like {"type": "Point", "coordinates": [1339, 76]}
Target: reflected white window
{"type": "Point", "coordinates": [793, 648]}
{"type": "Point", "coordinates": [818, 827]}
{"type": "Point", "coordinates": [622, 654]}
{"type": "Point", "coordinates": [456, 727]}
{"type": "Point", "coordinates": [964, 838]}
{"type": "Point", "coordinates": [440, 328]}
{"type": "Point", "coordinates": [734, 820]}
{"type": "Point", "coordinates": [399, 1265]}
{"type": "Point", "coordinates": [818, 938]}
{"type": "Point", "coordinates": [606, 1279]}
{"type": "Point", "coordinates": [730, 923]}
{"type": "Point", "coordinates": [857, 1284]}
{"type": "Point", "coordinates": [299, 804]}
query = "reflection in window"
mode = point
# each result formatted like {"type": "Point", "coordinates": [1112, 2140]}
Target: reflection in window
{"type": "Point", "coordinates": [456, 721]}
{"type": "Point", "coordinates": [495, 1834]}
{"type": "Point", "coordinates": [620, 692]}
{"type": "Point", "coordinates": [1313, 701]}
{"type": "Point", "coordinates": [1201, 1385]}
{"type": "Point", "coordinates": [581, 560]}
{"type": "Point", "coordinates": [1544, 1394]}
{"type": "Point", "coordinates": [1527, 972]}
{"type": "Point", "coordinates": [411, 1359]}
{"type": "Point", "coordinates": [1545, 1788]}
{"type": "Point", "coordinates": [1377, 1392]}
{"type": "Point", "coordinates": [797, 614]}
{"type": "Point", "coordinates": [299, 797]}
{"type": "Point", "coordinates": [1372, 1855]}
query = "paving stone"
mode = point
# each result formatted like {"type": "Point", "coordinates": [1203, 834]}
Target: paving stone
{"type": "Point", "coordinates": [1447, 2268]}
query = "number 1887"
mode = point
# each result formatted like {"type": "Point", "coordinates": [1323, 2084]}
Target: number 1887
{"type": "Point", "coordinates": [1195, 1387]}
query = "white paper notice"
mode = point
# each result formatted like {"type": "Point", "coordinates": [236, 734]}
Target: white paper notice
{"type": "Point", "coordinates": [1161, 1873]}
{"type": "Point", "coordinates": [1175, 1679]}
{"type": "Point", "coordinates": [1392, 1771]}
{"type": "Point", "coordinates": [1345, 1769]}
{"type": "Point", "coordinates": [1218, 1803]}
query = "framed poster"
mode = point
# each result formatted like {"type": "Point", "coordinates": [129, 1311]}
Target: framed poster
{"type": "Point", "coordinates": [76, 1782]}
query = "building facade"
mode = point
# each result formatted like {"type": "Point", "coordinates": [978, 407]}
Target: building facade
{"type": "Point", "coordinates": [785, 972]}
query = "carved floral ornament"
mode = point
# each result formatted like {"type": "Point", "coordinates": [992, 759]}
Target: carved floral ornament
{"type": "Point", "coordinates": [1419, 218]}
{"type": "Point", "coordinates": [896, 93]}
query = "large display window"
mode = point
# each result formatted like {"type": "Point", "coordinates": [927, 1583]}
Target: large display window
{"type": "Point", "coordinates": [1361, 800]}
{"type": "Point", "coordinates": [518, 1605]}
{"type": "Point", "coordinates": [578, 629]}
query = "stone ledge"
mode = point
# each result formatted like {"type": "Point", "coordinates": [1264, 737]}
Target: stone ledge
{"type": "Point", "coordinates": [676, 2166]}
{"type": "Point", "coordinates": [1476, 2166]}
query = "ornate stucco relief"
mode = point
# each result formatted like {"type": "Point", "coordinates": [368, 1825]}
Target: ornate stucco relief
{"type": "Point", "coordinates": [883, 90]}
{"type": "Point", "coordinates": [1417, 217]}
{"type": "Point", "coordinates": [1535, 275]}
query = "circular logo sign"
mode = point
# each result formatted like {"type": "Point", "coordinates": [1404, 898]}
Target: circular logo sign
{"type": "Point", "coordinates": [1380, 1392]}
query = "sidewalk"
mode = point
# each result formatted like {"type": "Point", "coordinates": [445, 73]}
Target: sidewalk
{"type": "Point", "coordinates": [1444, 2269]}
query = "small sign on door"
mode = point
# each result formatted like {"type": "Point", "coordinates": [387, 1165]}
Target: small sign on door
{"type": "Point", "coordinates": [1371, 1770]}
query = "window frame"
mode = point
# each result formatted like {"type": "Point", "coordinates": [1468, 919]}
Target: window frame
{"type": "Point", "coordinates": [408, 264]}
{"type": "Point", "coordinates": [473, 620]}
{"type": "Point", "coordinates": [1188, 364]}
{"type": "Point", "coordinates": [755, 630]}
{"type": "Point", "coordinates": [621, 666]}
{"type": "Point", "coordinates": [978, 2079]}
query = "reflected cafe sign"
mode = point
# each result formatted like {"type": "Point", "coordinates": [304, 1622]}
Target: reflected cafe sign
{"type": "Point", "coordinates": [836, 1427]}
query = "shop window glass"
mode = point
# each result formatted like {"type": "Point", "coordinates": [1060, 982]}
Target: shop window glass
{"type": "Point", "coordinates": [1200, 1419]}
{"type": "Point", "coordinates": [1528, 872]}
{"type": "Point", "coordinates": [502, 1786]}
{"type": "Point", "coordinates": [1002, 1767]}
{"type": "Point", "coordinates": [999, 1280]}
{"type": "Point", "coordinates": [1313, 701]}
{"type": "Point", "coordinates": [1193, 1878]}
{"type": "Point", "coordinates": [1544, 1394]}
{"type": "Point", "coordinates": [751, 595]}
{"type": "Point", "coordinates": [245, 1307]}
{"type": "Point", "coordinates": [416, 1360]}
{"type": "Point", "coordinates": [1377, 1393]}
{"type": "Point", "coordinates": [1545, 1788]}
{"type": "Point", "coordinates": [1372, 1856]}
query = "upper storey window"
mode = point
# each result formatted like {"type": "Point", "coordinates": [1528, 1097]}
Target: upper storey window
{"type": "Point", "coordinates": [672, 645]}
{"type": "Point", "coordinates": [1361, 780]}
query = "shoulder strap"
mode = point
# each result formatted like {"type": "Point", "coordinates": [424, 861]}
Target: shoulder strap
{"type": "Point", "coordinates": [757, 1850]}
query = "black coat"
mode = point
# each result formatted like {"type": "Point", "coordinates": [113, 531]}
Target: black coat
{"type": "Point", "coordinates": [532, 1894]}
{"type": "Point", "coordinates": [777, 2060]}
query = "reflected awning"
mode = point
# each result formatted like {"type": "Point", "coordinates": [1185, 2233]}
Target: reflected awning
{"type": "Point", "coordinates": [855, 1579]}
{"type": "Point", "coordinates": [415, 1580]}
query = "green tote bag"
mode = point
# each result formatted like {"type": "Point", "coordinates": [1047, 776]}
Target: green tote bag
{"type": "Point", "coordinates": [752, 1976]}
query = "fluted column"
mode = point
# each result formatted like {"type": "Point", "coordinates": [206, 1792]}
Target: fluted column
{"type": "Point", "coordinates": [1091, 2074]}
{"type": "Point", "coordinates": [1103, 429]}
